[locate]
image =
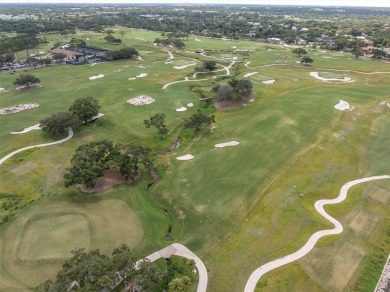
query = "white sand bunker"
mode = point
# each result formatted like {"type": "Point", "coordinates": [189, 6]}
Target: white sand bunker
{"type": "Point", "coordinates": [132, 78]}
{"type": "Point", "coordinates": [268, 81]}
{"type": "Point", "coordinates": [345, 79]}
{"type": "Point", "coordinates": [185, 157]}
{"type": "Point", "coordinates": [141, 100]}
{"type": "Point", "coordinates": [198, 40]}
{"type": "Point", "coordinates": [184, 66]}
{"type": "Point", "coordinates": [18, 108]}
{"type": "Point", "coordinates": [190, 104]}
{"type": "Point", "coordinates": [26, 130]}
{"type": "Point", "coordinates": [181, 109]}
{"type": "Point", "coordinates": [142, 75]}
{"type": "Point", "coordinates": [96, 77]}
{"type": "Point", "coordinates": [342, 106]}
{"type": "Point", "coordinates": [2, 89]}
{"type": "Point", "coordinates": [249, 74]}
{"type": "Point", "coordinates": [118, 70]}
{"type": "Point", "coordinates": [226, 144]}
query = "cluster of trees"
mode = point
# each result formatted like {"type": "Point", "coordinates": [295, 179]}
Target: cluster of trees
{"type": "Point", "coordinates": [92, 160]}
{"type": "Point", "coordinates": [124, 53]}
{"type": "Point", "coordinates": [80, 112]}
{"type": "Point", "coordinates": [75, 42]}
{"type": "Point", "coordinates": [199, 120]}
{"type": "Point", "coordinates": [7, 58]}
{"type": "Point", "coordinates": [255, 23]}
{"type": "Point", "coordinates": [196, 122]}
{"type": "Point", "coordinates": [178, 43]}
{"type": "Point", "coordinates": [111, 39]}
{"type": "Point", "coordinates": [234, 90]}
{"type": "Point", "coordinates": [18, 42]}
{"type": "Point", "coordinates": [93, 271]}
{"type": "Point", "coordinates": [157, 121]}
{"type": "Point", "coordinates": [26, 80]}
{"type": "Point", "coordinates": [207, 66]}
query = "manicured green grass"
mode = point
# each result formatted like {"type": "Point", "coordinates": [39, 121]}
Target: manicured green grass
{"type": "Point", "coordinates": [236, 207]}
{"type": "Point", "coordinates": [34, 245]}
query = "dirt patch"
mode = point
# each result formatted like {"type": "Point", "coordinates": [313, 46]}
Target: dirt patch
{"type": "Point", "coordinates": [379, 194]}
{"type": "Point", "coordinates": [32, 86]}
{"type": "Point", "coordinates": [333, 267]}
{"type": "Point", "coordinates": [344, 265]}
{"type": "Point", "coordinates": [24, 168]}
{"type": "Point", "coordinates": [229, 105]}
{"type": "Point", "coordinates": [364, 223]}
{"type": "Point", "coordinates": [179, 212]}
{"type": "Point", "coordinates": [109, 179]}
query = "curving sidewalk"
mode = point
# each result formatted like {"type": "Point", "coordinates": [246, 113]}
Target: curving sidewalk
{"type": "Point", "coordinates": [338, 228]}
{"type": "Point", "coordinates": [70, 135]}
{"type": "Point", "coordinates": [180, 250]}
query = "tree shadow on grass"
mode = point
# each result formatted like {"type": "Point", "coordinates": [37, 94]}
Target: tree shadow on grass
{"type": "Point", "coordinates": [78, 197]}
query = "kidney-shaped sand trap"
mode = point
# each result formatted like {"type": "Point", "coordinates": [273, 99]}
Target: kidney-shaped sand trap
{"type": "Point", "coordinates": [342, 106]}
{"type": "Point", "coordinates": [185, 157]}
{"type": "Point", "coordinates": [226, 144]}
{"type": "Point", "coordinates": [96, 77]}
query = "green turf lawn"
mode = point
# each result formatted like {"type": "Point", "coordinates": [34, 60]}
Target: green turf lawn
{"type": "Point", "coordinates": [236, 207]}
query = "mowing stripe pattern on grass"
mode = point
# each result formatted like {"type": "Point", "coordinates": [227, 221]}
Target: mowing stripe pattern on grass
{"type": "Point", "coordinates": [338, 228]}
{"type": "Point", "coordinates": [70, 135]}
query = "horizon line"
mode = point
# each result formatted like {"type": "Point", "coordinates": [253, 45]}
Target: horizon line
{"type": "Point", "coordinates": [110, 3]}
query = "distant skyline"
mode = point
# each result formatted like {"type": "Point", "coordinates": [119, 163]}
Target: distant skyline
{"type": "Point", "coordinates": [338, 3]}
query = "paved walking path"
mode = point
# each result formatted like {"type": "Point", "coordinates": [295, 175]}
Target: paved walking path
{"type": "Point", "coordinates": [338, 228]}
{"type": "Point", "coordinates": [180, 250]}
{"type": "Point", "coordinates": [70, 135]}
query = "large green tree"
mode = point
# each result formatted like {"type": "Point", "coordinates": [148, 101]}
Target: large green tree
{"type": "Point", "coordinates": [299, 51]}
{"type": "Point", "coordinates": [209, 66]}
{"type": "Point", "coordinates": [85, 108]}
{"type": "Point", "coordinates": [182, 284]}
{"type": "Point", "coordinates": [26, 80]}
{"type": "Point", "coordinates": [198, 120]}
{"type": "Point", "coordinates": [357, 52]}
{"type": "Point", "coordinates": [307, 60]}
{"type": "Point", "coordinates": [59, 123]}
{"type": "Point", "coordinates": [234, 90]}
{"type": "Point", "coordinates": [157, 121]}
{"type": "Point", "coordinates": [90, 162]}
{"type": "Point", "coordinates": [93, 270]}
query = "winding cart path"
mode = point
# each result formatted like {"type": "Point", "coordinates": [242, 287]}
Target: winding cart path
{"type": "Point", "coordinates": [304, 250]}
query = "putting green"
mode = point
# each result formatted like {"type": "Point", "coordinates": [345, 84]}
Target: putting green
{"type": "Point", "coordinates": [34, 245]}
{"type": "Point", "coordinates": [54, 237]}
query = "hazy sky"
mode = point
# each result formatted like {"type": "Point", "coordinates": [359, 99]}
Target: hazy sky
{"type": "Point", "coordinates": [371, 3]}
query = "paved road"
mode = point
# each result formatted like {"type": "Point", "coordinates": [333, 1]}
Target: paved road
{"type": "Point", "coordinates": [338, 228]}
{"type": "Point", "coordinates": [70, 135]}
{"type": "Point", "coordinates": [180, 250]}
